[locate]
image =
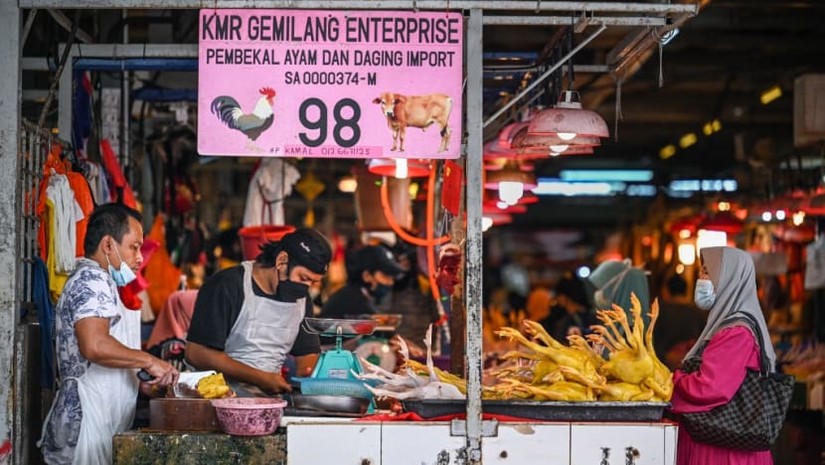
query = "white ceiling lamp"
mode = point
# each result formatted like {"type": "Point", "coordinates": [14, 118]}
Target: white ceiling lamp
{"type": "Point", "coordinates": [511, 182]}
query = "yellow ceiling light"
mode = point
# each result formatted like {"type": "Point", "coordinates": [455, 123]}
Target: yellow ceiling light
{"type": "Point", "coordinates": [770, 95]}
{"type": "Point", "coordinates": [667, 151]}
{"type": "Point", "coordinates": [707, 129]}
{"type": "Point", "coordinates": [711, 127]}
{"type": "Point", "coordinates": [687, 140]}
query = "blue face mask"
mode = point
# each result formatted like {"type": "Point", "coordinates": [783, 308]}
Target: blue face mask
{"type": "Point", "coordinates": [705, 295]}
{"type": "Point", "coordinates": [122, 276]}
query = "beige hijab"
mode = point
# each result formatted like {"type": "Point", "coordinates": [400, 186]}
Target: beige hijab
{"type": "Point", "coordinates": [734, 281]}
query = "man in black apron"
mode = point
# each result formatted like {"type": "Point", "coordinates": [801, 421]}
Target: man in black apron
{"type": "Point", "coordinates": [247, 319]}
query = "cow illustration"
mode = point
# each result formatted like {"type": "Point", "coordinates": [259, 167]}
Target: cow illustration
{"type": "Point", "coordinates": [417, 111]}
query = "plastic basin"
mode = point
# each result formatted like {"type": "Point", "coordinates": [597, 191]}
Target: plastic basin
{"type": "Point", "coordinates": [249, 416]}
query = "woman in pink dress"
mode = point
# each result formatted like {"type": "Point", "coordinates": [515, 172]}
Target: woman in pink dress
{"type": "Point", "coordinates": [727, 289]}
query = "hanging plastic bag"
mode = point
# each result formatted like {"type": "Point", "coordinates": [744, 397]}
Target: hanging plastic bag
{"type": "Point", "coordinates": [162, 274]}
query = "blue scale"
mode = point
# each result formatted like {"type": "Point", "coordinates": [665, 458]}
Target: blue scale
{"type": "Point", "coordinates": [337, 364]}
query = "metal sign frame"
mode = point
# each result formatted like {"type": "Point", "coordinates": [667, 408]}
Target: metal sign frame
{"type": "Point", "coordinates": [646, 15]}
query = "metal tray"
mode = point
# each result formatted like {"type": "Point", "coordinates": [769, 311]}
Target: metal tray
{"type": "Point", "coordinates": [329, 404]}
{"type": "Point", "coordinates": [331, 326]}
{"type": "Point", "coordinates": [545, 410]}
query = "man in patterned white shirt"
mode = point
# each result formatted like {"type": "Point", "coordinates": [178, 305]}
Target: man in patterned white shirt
{"type": "Point", "coordinates": [98, 345]}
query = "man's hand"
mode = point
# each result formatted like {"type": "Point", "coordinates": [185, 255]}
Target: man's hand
{"type": "Point", "coordinates": [275, 383]}
{"type": "Point", "coordinates": [164, 373]}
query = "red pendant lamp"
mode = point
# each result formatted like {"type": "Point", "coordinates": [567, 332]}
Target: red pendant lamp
{"type": "Point", "coordinates": [399, 167]}
{"type": "Point", "coordinates": [568, 120]}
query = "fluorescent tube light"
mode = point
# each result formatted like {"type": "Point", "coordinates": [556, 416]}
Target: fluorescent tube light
{"type": "Point", "coordinates": [607, 175]}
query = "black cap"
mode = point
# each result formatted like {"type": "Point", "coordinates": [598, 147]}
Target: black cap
{"type": "Point", "coordinates": [308, 248]}
{"type": "Point", "coordinates": [377, 258]}
{"type": "Point", "coordinates": [572, 288]}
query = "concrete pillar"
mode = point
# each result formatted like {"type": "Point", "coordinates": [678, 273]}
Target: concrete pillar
{"type": "Point", "coordinates": [9, 126]}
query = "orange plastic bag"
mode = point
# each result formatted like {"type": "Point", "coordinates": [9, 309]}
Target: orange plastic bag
{"type": "Point", "coordinates": [162, 274]}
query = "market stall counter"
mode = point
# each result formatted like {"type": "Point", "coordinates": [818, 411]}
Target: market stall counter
{"type": "Point", "coordinates": [148, 447]}
{"type": "Point", "coordinates": [382, 441]}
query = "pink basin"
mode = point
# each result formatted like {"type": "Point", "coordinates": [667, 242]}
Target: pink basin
{"type": "Point", "coordinates": [249, 416]}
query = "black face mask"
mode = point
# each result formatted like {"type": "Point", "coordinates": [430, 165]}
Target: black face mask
{"type": "Point", "coordinates": [379, 291]}
{"type": "Point", "coordinates": [290, 291]}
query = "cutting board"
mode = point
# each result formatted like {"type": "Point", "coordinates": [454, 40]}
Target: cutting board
{"type": "Point", "coordinates": [181, 414]}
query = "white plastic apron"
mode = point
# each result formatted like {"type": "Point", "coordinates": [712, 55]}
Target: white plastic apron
{"type": "Point", "coordinates": [265, 330]}
{"type": "Point", "coordinates": [108, 397]}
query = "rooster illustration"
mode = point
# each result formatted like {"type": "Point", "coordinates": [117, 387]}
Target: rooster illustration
{"type": "Point", "coordinates": [228, 110]}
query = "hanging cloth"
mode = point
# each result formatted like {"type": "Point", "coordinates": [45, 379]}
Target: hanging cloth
{"type": "Point", "coordinates": [97, 182]}
{"type": "Point", "coordinates": [82, 196]}
{"type": "Point", "coordinates": [270, 185]}
{"type": "Point", "coordinates": [56, 279]}
{"type": "Point", "coordinates": [66, 215]}
{"type": "Point", "coordinates": [123, 192]}
{"type": "Point", "coordinates": [85, 202]}
{"type": "Point", "coordinates": [45, 315]}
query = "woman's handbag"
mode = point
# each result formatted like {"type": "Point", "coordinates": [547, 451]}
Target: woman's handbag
{"type": "Point", "coordinates": [753, 417]}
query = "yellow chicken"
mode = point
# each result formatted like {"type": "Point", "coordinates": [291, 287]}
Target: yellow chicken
{"type": "Point", "coordinates": [632, 359]}
{"type": "Point", "coordinates": [553, 350]}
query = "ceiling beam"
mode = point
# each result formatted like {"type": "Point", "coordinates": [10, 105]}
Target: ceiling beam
{"type": "Point", "coordinates": [66, 24]}
{"type": "Point", "coordinates": [440, 5]}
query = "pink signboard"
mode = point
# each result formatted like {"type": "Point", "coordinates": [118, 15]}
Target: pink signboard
{"type": "Point", "coordinates": [330, 84]}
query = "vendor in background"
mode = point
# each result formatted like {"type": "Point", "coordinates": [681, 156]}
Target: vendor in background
{"type": "Point", "coordinates": [98, 343]}
{"type": "Point", "coordinates": [613, 281]}
{"type": "Point", "coordinates": [371, 273]}
{"type": "Point", "coordinates": [571, 315]}
{"type": "Point", "coordinates": [248, 318]}
{"type": "Point", "coordinates": [411, 298]}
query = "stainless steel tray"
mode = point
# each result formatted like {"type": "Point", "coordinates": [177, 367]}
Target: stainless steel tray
{"type": "Point", "coordinates": [329, 404]}
{"type": "Point", "coordinates": [545, 410]}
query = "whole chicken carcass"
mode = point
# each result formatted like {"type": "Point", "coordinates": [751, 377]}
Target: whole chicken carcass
{"type": "Point", "coordinates": [629, 360]}
{"type": "Point", "coordinates": [558, 391]}
{"type": "Point", "coordinates": [632, 359]}
{"type": "Point", "coordinates": [553, 350]}
{"type": "Point", "coordinates": [612, 391]}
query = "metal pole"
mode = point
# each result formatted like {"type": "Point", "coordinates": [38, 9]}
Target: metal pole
{"type": "Point", "coordinates": [54, 85]}
{"type": "Point", "coordinates": [10, 76]}
{"type": "Point", "coordinates": [125, 159]}
{"type": "Point", "coordinates": [65, 93]}
{"type": "Point", "coordinates": [27, 28]}
{"type": "Point", "coordinates": [473, 244]}
{"type": "Point", "coordinates": [544, 76]}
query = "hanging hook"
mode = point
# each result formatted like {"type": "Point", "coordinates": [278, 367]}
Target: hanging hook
{"type": "Point", "coordinates": [415, 6]}
{"type": "Point", "coordinates": [538, 6]}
